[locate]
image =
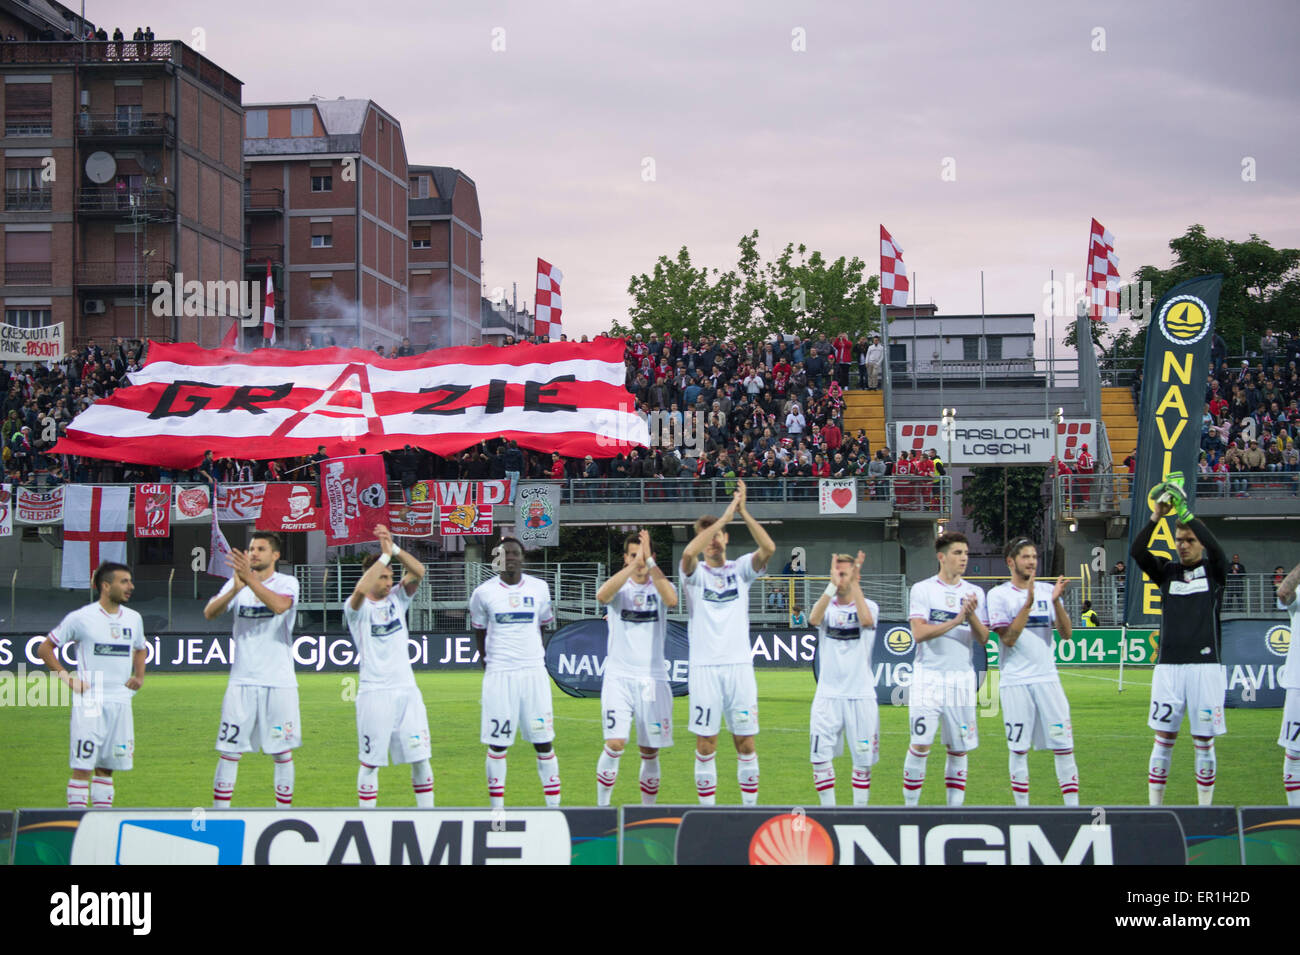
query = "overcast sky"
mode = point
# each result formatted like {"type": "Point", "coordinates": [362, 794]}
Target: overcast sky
{"type": "Point", "coordinates": [743, 129]}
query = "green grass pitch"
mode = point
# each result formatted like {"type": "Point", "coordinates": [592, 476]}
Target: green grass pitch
{"type": "Point", "coordinates": [176, 717]}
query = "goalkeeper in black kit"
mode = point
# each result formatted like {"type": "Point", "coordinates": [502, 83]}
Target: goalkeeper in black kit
{"type": "Point", "coordinates": [1189, 674]}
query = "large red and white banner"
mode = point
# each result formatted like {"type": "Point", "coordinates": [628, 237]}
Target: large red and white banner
{"type": "Point", "coordinates": [354, 493]}
{"type": "Point", "coordinates": [287, 508]}
{"type": "Point", "coordinates": [451, 493]}
{"type": "Point", "coordinates": [153, 510]}
{"type": "Point", "coordinates": [563, 396]}
{"type": "Point", "coordinates": [94, 530]}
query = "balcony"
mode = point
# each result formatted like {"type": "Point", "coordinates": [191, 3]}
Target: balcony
{"type": "Point", "coordinates": [123, 274]}
{"type": "Point", "coordinates": [28, 200]}
{"type": "Point", "coordinates": [28, 273]}
{"type": "Point", "coordinates": [263, 201]}
{"type": "Point", "coordinates": [256, 256]}
{"type": "Point", "coordinates": [28, 122]}
{"type": "Point", "coordinates": [111, 127]}
{"type": "Point", "coordinates": [112, 202]}
{"type": "Point", "coordinates": [1242, 495]}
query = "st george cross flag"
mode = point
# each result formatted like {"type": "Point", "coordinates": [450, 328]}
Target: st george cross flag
{"type": "Point", "coordinates": [548, 305]}
{"type": "Point", "coordinates": [1102, 281]}
{"type": "Point", "coordinates": [268, 310]}
{"type": "Point", "coordinates": [567, 397]}
{"type": "Point", "coordinates": [94, 530]}
{"type": "Point", "coordinates": [893, 273]}
{"type": "Point", "coordinates": [355, 495]}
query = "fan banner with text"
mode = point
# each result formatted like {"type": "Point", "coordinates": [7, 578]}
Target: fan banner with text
{"type": "Point", "coordinates": [1169, 422]}
{"type": "Point", "coordinates": [354, 495]}
{"type": "Point", "coordinates": [272, 403]}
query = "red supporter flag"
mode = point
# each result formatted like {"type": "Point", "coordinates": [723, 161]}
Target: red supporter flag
{"type": "Point", "coordinates": [1102, 281]}
{"type": "Point", "coordinates": [153, 510]}
{"type": "Point", "coordinates": [548, 306]}
{"type": "Point", "coordinates": [413, 519]}
{"type": "Point", "coordinates": [289, 507]}
{"type": "Point", "coordinates": [564, 396]}
{"type": "Point", "coordinates": [268, 309]}
{"type": "Point", "coordinates": [354, 495]}
{"type": "Point", "coordinates": [893, 273]}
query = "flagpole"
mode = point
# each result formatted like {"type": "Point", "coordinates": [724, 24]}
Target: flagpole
{"type": "Point", "coordinates": [984, 345]}
{"type": "Point", "coordinates": [915, 363]}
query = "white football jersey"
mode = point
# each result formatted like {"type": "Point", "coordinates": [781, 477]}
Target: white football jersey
{"type": "Point", "coordinates": [105, 644]}
{"type": "Point", "coordinates": [380, 633]}
{"type": "Point", "coordinates": [1031, 659]}
{"type": "Point", "coordinates": [513, 618]}
{"type": "Point", "coordinates": [717, 604]}
{"type": "Point", "coordinates": [844, 652]}
{"type": "Point", "coordinates": [936, 602]}
{"type": "Point", "coordinates": [263, 640]}
{"type": "Point", "coordinates": [1291, 669]}
{"type": "Point", "coordinates": [638, 625]}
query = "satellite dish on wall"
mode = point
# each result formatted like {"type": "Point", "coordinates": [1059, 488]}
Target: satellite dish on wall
{"type": "Point", "coordinates": [100, 167]}
{"type": "Point", "coordinates": [150, 165]}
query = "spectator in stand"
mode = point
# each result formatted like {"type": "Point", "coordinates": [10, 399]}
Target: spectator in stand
{"type": "Point", "coordinates": [1086, 468]}
{"type": "Point", "coordinates": [795, 422]}
{"type": "Point", "coordinates": [875, 362]}
{"type": "Point", "coordinates": [843, 349]}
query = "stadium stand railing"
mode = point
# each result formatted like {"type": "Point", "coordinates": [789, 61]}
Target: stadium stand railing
{"type": "Point", "coordinates": [1075, 493]}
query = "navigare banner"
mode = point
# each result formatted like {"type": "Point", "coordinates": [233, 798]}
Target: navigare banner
{"type": "Point", "coordinates": [1002, 440]}
{"type": "Point", "coordinates": [587, 836]}
{"type": "Point", "coordinates": [1255, 654]}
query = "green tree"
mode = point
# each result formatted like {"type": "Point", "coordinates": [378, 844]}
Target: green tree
{"type": "Point", "coordinates": [800, 292]}
{"type": "Point", "coordinates": [983, 496]}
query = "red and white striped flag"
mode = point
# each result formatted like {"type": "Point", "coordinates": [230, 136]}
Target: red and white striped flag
{"type": "Point", "coordinates": [1102, 281]}
{"type": "Point", "coordinates": [548, 305]}
{"type": "Point", "coordinates": [268, 310]}
{"type": "Point", "coordinates": [893, 273]}
{"type": "Point", "coordinates": [568, 397]}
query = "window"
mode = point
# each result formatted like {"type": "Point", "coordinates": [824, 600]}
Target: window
{"type": "Point", "coordinates": [321, 289]}
{"type": "Point", "coordinates": [322, 240]}
{"type": "Point", "coordinates": [129, 119]}
{"type": "Point", "coordinates": [300, 121]}
{"type": "Point", "coordinates": [255, 125]}
{"type": "Point", "coordinates": [27, 258]}
{"type": "Point", "coordinates": [27, 317]}
{"type": "Point", "coordinates": [419, 187]}
{"type": "Point", "coordinates": [970, 347]}
{"type": "Point", "coordinates": [322, 183]}
{"type": "Point", "coordinates": [994, 347]}
{"type": "Point", "coordinates": [420, 236]}
{"type": "Point", "coordinates": [24, 190]}
{"type": "Point", "coordinates": [28, 109]}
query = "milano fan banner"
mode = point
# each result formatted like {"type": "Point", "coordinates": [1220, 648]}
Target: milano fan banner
{"type": "Point", "coordinates": [564, 396]}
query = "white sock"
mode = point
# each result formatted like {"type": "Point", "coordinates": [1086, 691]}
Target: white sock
{"type": "Point", "coordinates": [101, 792]}
{"type": "Point", "coordinates": [367, 786]}
{"type": "Point", "coordinates": [548, 771]}
{"type": "Point", "coordinates": [422, 783]}
{"type": "Point", "coordinates": [824, 782]}
{"type": "Point", "coordinates": [1067, 775]}
{"type": "Point", "coordinates": [954, 773]}
{"type": "Point", "coordinates": [78, 794]}
{"type": "Point", "coordinates": [496, 779]}
{"type": "Point", "coordinates": [913, 776]}
{"type": "Point", "coordinates": [1290, 777]}
{"type": "Point", "coordinates": [606, 774]}
{"type": "Point", "coordinates": [649, 779]}
{"type": "Point", "coordinates": [747, 774]}
{"type": "Point", "coordinates": [284, 779]}
{"type": "Point", "coordinates": [223, 784]}
{"type": "Point", "coordinates": [861, 785]}
{"type": "Point", "coordinates": [1018, 765]}
{"type": "Point", "coordinates": [706, 779]}
{"type": "Point", "coordinates": [1158, 770]}
{"type": "Point", "coordinates": [1205, 770]}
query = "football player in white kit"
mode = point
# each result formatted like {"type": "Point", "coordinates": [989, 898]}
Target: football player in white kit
{"type": "Point", "coordinates": [260, 708]}
{"type": "Point", "coordinates": [1289, 739]}
{"type": "Point", "coordinates": [1035, 711]}
{"type": "Point", "coordinates": [507, 614]}
{"type": "Point", "coordinates": [946, 614]}
{"type": "Point", "coordinates": [391, 718]}
{"type": "Point", "coordinates": [110, 668]}
{"type": "Point", "coordinates": [721, 662]}
{"type": "Point", "coordinates": [635, 685]}
{"type": "Point", "coordinates": [844, 706]}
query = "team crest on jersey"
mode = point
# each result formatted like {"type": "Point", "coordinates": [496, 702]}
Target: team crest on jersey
{"type": "Point", "coordinates": [950, 599]}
